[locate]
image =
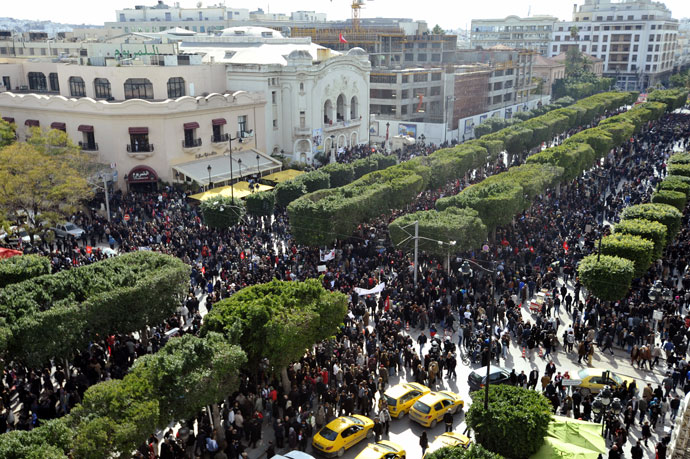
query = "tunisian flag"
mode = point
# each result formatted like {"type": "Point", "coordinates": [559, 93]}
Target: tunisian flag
{"type": "Point", "coordinates": [341, 38]}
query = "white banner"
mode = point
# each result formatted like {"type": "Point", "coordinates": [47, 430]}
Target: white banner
{"type": "Point", "coordinates": [326, 256]}
{"type": "Point", "coordinates": [321, 268]}
{"type": "Point", "coordinates": [372, 291]}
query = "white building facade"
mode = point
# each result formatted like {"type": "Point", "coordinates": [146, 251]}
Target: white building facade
{"type": "Point", "coordinates": [533, 33]}
{"type": "Point", "coordinates": [636, 39]}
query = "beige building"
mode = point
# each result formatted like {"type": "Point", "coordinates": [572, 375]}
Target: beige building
{"type": "Point", "coordinates": [547, 71]}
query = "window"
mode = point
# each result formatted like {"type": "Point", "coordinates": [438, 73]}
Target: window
{"type": "Point", "coordinates": [101, 88]}
{"type": "Point", "coordinates": [421, 57]}
{"type": "Point", "coordinates": [175, 88]}
{"type": "Point", "coordinates": [409, 57]}
{"type": "Point", "coordinates": [435, 77]}
{"type": "Point", "coordinates": [435, 58]}
{"type": "Point", "coordinates": [77, 87]}
{"type": "Point", "coordinates": [54, 83]}
{"type": "Point", "coordinates": [37, 81]}
{"type": "Point", "coordinates": [595, 48]}
{"type": "Point", "coordinates": [274, 98]}
{"type": "Point", "coordinates": [275, 124]}
{"type": "Point", "coordinates": [242, 124]}
{"type": "Point", "coordinates": [420, 77]}
{"type": "Point", "coordinates": [301, 86]}
{"type": "Point", "coordinates": [421, 45]}
{"type": "Point", "coordinates": [555, 48]}
{"type": "Point", "coordinates": [138, 88]}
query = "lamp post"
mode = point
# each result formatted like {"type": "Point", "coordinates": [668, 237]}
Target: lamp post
{"type": "Point", "coordinates": [332, 137]}
{"type": "Point", "coordinates": [209, 177]}
{"type": "Point", "coordinates": [230, 139]}
{"type": "Point", "coordinates": [239, 165]}
{"type": "Point", "coordinates": [258, 170]}
{"type": "Point", "coordinates": [388, 125]}
{"type": "Point", "coordinates": [605, 404]}
{"type": "Point", "coordinates": [465, 269]}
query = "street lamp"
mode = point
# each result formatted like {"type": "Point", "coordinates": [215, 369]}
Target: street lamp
{"type": "Point", "coordinates": [239, 164]}
{"type": "Point", "coordinates": [449, 244]}
{"type": "Point", "coordinates": [422, 138]}
{"type": "Point", "coordinates": [258, 170]}
{"type": "Point", "coordinates": [230, 139]}
{"type": "Point", "coordinates": [604, 405]}
{"type": "Point", "coordinates": [209, 177]}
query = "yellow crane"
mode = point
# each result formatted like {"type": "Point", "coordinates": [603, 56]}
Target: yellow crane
{"type": "Point", "coordinates": [356, 6]}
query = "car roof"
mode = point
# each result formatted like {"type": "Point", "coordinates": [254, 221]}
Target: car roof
{"type": "Point", "coordinates": [403, 388]}
{"type": "Point", "coordinates": [297, 455]}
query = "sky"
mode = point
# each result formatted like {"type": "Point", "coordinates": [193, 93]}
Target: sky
{"type": "Point", "coordinates": [450, 14]}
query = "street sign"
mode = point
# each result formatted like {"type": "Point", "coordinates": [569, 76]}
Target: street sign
{"type": "Point", "coordinates": [571, 382]}
{"type": "Point", "coordinates": [658, 315]}
{"type": "Point", "coordinates": [126, 217]}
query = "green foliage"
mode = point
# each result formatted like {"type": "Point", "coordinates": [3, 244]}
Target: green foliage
{"type": "Point", "coordinates": [600, 140]}
{"type": "Point", "coordinates": [680, 158]}
{"type": "Point", "coordinates": [463, 226]}
{"type": "Point", "coordinates": [534, 178]}
{"type": "Point", "coordinates": [662, 213]}
{"type": "Point", "coordinates": [288, 191]}
{"type": "Point", "coordinates": [315, 180]}
{"type": "Point", "coordinates": [573, 157]}
{"type": "Point", "coordinates": [676, 199]}
{"type": "Point", "coordinates": [673, 98]}
{"type": "Point", "coordinates": [453, 163]}
{"type": "Point", "coordinates": [261, 203]}
{"type": "Point", "coordinates": [634, 248]}
{"type": "Point", "coordinates": [222, 212]}
{"type": "Point", "coordinates": [340, 174]}
{"type": "Point", "coordinates": [679, 169]}
{"type": "Point", "coordinates": [680, 80]}
{"type": "Point", "coordinates": [607, 279]}
{"type": "Point", "coordinates": [580, 83]}
{"type": "Point", "coordinates": [55, 315]}
{"type": "Point", "coordinates": [515, 423]}
{"type": "Point", "coordinates": [474, 451]}
{"type": "Point", "coordinates": [278, 320]}
{"type": "Point", "coordinates": [496, 202]}
{"type": "Point", "coordinates": [23, 267]}
{"type": "Point", "coordinates": [363, 166]}
{"type": "Point", "coordinates": [7, 133]}
{"type": "Point", "coordinates": [676, 183]}
{"type": "Point", "coordinates": [51, 440]}
{"type": "Point", "coordinates": [646, 229]}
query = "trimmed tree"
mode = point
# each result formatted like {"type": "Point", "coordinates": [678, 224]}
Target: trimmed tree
{"type": "Point", "coordinates": [21, 268]}
{"type": "Point", "coordinates": [679, 169]}
{"type": "Point", "coordinates": [676, 199]}
{"type": "Point", "coordinates": [340, 174]}
{"type": "Point", "coordinates": [609, 278]}
{"type": "Point", "coordinates": [288, 191]}
{"type": "Point", "coordinates": [222, 212]}
{"type": "Point", "coordinates": [662, 213]}
{"type": "Point", "coordinates": [474, 451]}
{"type": "Point", "coordinates": [261, 204]}
{"type": "Point", "coordinates": [646, 229]}
{"type": "Point", "coordinates": [676, 183]}
{"type": "Point", "coordinates": [515, 423]}
{"type": "Point", "coordinates": [634, 248]}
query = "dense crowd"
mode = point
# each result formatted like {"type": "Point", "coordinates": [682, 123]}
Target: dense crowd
{"type": "Point", "coordinates": [418, 331]}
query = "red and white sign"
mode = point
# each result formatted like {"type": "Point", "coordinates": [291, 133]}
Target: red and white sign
{"type": "Point", "coordinates": [88, 249]}
{"type": "Point", "coordinates": [126, 217]}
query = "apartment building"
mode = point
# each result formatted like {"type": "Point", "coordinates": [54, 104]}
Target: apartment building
{"type": "Point", "coordinates": [533, 32]}
{"type": "Point", "coordinates": [636, 39]}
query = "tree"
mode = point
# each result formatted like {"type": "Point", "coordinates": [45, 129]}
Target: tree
{"type": "Point", "coordinates": [42, 180]}
{"type": "Point", "coordinates": [437, 30]}
{"type": "Point", "coordinates": [7, 133]}
{"type": "Point", "coordinates": [607, 278]}
{"type": "Point", "coordinates": [222, 212]}
{"type": "Point", "coordinates": [474, 451]}
{"type": "Point", "coordinates": [515, 423]}
{"type": "Point", "coordinates": [634, 248]}
{"type": "Point", "coordinates": [21, 268]}
{"type": "Point", "coordinates": [278, 320]}
{"type": "Point", "coordinates": [646, 229]}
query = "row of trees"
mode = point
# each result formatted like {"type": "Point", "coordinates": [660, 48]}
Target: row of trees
{"type": "Point", "coordinates": [321, 217]}
{"type": "Point", "coordinates": [494, 124]}
{"type": "Point", "coordinates": [640, 237]}
{"type": "Point", "coordinates": [267, 325]}
{"type": "Point", "coordinates": [17, 269]}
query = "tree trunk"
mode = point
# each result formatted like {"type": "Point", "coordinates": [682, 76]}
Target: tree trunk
{"type": "Point", "coordinates": [285, 379]}
{"type": "Point", "coordinates": [220, 431]}
{"type": "Point", "coordinates": [144, 336]}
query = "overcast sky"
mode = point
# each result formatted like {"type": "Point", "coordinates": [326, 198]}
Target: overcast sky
{"type": "Point", "coordinates": [450, 14]}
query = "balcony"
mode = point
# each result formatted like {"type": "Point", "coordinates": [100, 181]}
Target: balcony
{"type": "Point", "coordinates": [86, 146]}
{"type": "Point", "coordinates": [191, 143]}
{"type": "Point", "coordinates": [221, 138]}
{"type": "Point", "coordinates": [302, 131]}
{"type": "Point", "coordinates": [342, 124]}
{"type": "Point", "coordinates": [140, 151]}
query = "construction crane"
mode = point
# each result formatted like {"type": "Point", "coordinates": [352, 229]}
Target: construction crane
{"type": "Point", "coordinates": [356, 6]}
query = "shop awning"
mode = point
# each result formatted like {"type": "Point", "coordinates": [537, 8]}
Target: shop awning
{"type": "Point", "coordinates": [58, 125]}
{"type": "Point", "coordinates": [32, 123]}
{"type": "Point", "coordinates": [244, 164]}
{"type": "Point", "coordinates": [142, 174]}
{"type": "Point", "coordinates": [85, 128]}
{"type": "Point", "coordinates": [138, 130]}
{"type": "Point", "coordinates": [192, 125]}
{"type": "Point", "coordinates": [241, 191]}
{"type": "Point", "coordinates": [8, 119]}
{"type": "Point", "coordinates": [8, 253]}
{"type": "Point", "coordinates": [218, 122]}
{"type": "Point", "coordinates": [283, 176]}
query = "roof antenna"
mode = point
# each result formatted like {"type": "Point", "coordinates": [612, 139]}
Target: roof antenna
{"type": "Point", "coordinates": [529, 10]}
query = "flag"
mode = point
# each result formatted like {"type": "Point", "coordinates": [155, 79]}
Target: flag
{"type": "Point", "coordinates": [326, 256]}
{"type": "Point", "coordinates": [341, 38]}
{"type": "Point", "coordinates": [565, 246]}
{"type": "Point", "coordinates": [387, 303]}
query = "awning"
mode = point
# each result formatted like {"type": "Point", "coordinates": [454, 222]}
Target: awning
{"type": "Point", "coordinates": [142, 174]}
{"type": "Point", "coordinates": [241, 191]}
{"type": "Point", "coordinates": [31, 123]}
{"type": "Point", "coordinates": [138, 130]}
{"type": "Point", "coordinates": [573, 439]}
{"type": "Point", "coordinates": [192, 125]}
{"type": "Point", "coordinates": [9, 253]}
{"type": "Point", "coordinates": [283, 176]}
{"type": "Point", "coordinates": [244, 163]}
{"type": "Point", "coordinates": [57, 125]}
{"type": "Point", "coordinates": [8, 119]}
{"type": "Point", "coordinates": [218, 122]}
{"type": "Point", "coordinates": [85, 128]}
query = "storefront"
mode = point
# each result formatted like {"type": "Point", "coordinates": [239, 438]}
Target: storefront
{"type": "Point", "coordinates": [142, 178]}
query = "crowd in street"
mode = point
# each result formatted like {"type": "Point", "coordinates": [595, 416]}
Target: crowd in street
{"type": "Point", "coordinates": [446, 312]}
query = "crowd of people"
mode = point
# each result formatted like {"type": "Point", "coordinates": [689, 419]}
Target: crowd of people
{"type": "Point", "coordinates": [418, 332]}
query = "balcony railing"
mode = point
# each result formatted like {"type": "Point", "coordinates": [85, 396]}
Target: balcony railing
{"type": "Point", "coordinates": [191, 143]}
{"type": "Point", "coordinates": [88, 146]}
{"type": "Point", "coordinates": [220, 138]}
{"type": "Point", "coordinates": [140, 148]}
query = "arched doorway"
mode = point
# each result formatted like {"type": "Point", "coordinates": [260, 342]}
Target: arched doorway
{"type": "Point", "coordinates": [328, 112]}
{"type": "Point", "coordinates": [142, 178]}
{"type": "Point", "coordinates": [340, 108]}
{"type": "Point", "coordinates": [342, 141]}
{"type": "Point", "coordinates": [354, 108]}
{"type": "Point", "coordinates": [354, 138]}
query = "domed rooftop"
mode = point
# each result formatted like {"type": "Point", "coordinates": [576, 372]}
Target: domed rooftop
{"type": "Point", "coordinates": [250, 31]}
{"type": "Point", "coordinates": [356, 52]}
{"type": "Point", "coordinates": [300, 54]}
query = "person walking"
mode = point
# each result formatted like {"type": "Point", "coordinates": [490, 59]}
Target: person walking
{"type": "Point", "coordinates": [448, 420]}
{"type": "Point", "coordinates": [423, 442]}
{"type": "Point", "coordinates": [385, 418]}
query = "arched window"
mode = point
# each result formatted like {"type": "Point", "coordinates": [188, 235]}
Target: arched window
{"type": "Point", "coordinates": [354, 108]}
{"type": "Point", "coordinates": [77, 88]}
{"type": "Point", "coordinates": [101, 88]}
{"type": "Point", "coordinates": [328, 112]}
{"type": "Point", "coordinates": [340, 108]}
{"type": "Point", "coordinates": [138, 88]}
{"type": "Point", "coordinates": [175, 88]}
{"type": "Point", "coordinates": [37, 81]}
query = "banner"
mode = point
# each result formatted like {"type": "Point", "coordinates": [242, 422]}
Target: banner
{"type": "Point", "coordinates": [317, 140]}
{"type": "Point", "coordinates": [372, 291]}
{"type": "Point", "coordinates": [326, 256]}
{"type": "Point", "coordinates": [409, 130]}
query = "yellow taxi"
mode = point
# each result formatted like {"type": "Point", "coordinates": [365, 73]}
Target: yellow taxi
{"type": "Point", "coordinates": [382, 450]}
{"type": "Point", "coordinates": [594, 380]}
{"type": "Point", "coordinates": [448, 439]}
{"type": "Point", "coordinates": [401, 397]}
{"type": "Point", "coordinates": [430, 409]}
{"type": "Point", "coordinates": [342, 433]}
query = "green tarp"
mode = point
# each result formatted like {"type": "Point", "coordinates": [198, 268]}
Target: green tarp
{"type": "Point", "coordinates": [572, 439]}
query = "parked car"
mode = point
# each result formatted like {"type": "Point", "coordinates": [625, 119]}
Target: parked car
{"type": "Point", "coordinates": [477, 378]}
{"type": "Point", "coordinates": [401, 397]}
{"type": "Point", "coordinates": [68, 229]}
{"type": "Point", "coordinates": [448, 439]}
{"type": "Point", "coordinates": [594, 380]}
{"type": "Point", "coordinates": [383, 449]}
{"type": "Point", "coordinates": [342, 433]}
{"type": "Point", "coordinates": [293, 455]}
{"type": "Point", "coordinates": [18, 236]}
{"type": "Point", "coordinates": [429, 409]}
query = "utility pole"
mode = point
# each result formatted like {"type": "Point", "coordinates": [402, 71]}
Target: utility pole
{"type": "Point", "coordinates": [416, 250]}
{"type": "Point", "coordinates": [107, 197]}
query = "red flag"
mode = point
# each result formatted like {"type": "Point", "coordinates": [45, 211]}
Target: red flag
{"type": "Point", "coordinates": [88, 249]}
{"type": "Point", "coordinates": [531, 249]}
{"type": "Point", "coordinates": [565, 246]}
{"type": "Point", "coordinates": [387, 303]}
{"type": "Point", "coordinates": [241, 255]}
{"type": "Point", "coordinates": [341, 38]}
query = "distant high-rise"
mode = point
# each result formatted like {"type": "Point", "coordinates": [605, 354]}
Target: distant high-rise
{"type": "Point", "coordinates": [533, 33]}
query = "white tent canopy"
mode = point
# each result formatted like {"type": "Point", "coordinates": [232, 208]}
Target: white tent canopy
{"type": "Point", "coordinates": [244, 163]}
